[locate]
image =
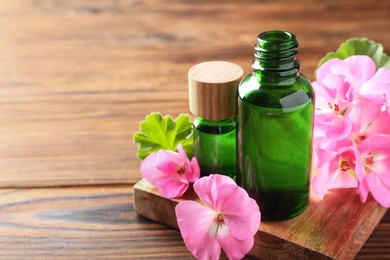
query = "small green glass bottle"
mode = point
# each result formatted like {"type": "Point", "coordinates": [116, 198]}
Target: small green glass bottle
{"type": "Point", "coordinates": [213, 99]}
{"type": "Point", "coordinates": [276, 108]}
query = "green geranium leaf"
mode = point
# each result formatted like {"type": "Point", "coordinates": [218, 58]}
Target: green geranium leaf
{"type": "Point", "coordinates": [363, 46]}
{"type": "Point", "coordinates": [158, 132]}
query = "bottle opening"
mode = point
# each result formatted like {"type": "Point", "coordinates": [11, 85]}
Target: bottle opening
{"type": "Point", "coordinates": [275, 57]}
{"type": "Point", "coordinates": [276, 40]}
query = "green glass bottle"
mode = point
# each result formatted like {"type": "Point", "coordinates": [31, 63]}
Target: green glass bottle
{"type": "Point", "coordinates": [215, 146]}
{"type": "Point", "coordinates": [213, 99]}
{"type": "Point", "coordinates": [276, 108]}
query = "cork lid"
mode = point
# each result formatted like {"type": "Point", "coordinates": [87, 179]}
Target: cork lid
{"type": "Point", "coordinates": [212, 89]}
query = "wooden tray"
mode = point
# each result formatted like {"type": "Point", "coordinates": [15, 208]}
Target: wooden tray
{"type": "Point", "coordinates": [334, 228]}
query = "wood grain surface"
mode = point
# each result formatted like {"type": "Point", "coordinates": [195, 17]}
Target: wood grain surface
{"type": "Point", "coordinates": [80, 223]}
{"type": "Point", "coordinates": [77, 76]}
{"type": "Point", "coordinates": [98, 222]}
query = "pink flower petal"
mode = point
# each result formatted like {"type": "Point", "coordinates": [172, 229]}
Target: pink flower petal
{"type": "Point", "coordinates": [363, 188]}
{"type": "Point", "coordinates": [170, 172]}
{"type": "Point", "coordinates": [181, 151]}
{"type": "Point", "coordinates": [343, 179]}
{"type": "Point", "coordinates": [381, 125]}
{"type": "Point", "coordinates": [356, 69]}
{"type": "Point", "coordinates": [377, 177]}
{"type": "Point", "coordinates": [172, 187]}
{"type": "Point", "coordinates": [194, 222]}
{"type": "Point", "coordinates": [242, 214]}
{"type": "Point", "coordinates": [361, 66]}
{"type": "Point", "coordinates": [332, 145]}
{"type": "Point", "coordinates": [169, 185]}
{"type": "Point", "coordinates": [381, 164]}
{"type": "Point", "coordinates": [324, 120]}
{"type": "Point", "coordinates": [385, 179]}
{"type": "Point", "coordinates": [380, 192]}
{"type": "Point", "coordinates": [324, 94]}
{"type": "Point", "coordinates": [184, 160]}
{"type": "Point", "coordinates": [364, 112]}
{"type": "Point", "coordinates": [352, 112]}
{"type": "Point", "coordinates": [375, 143]}
{"type": "Point", "coordinates": [340, 129]}
{"type": "Point", "coordinates": [340, 87]}
{"type": "Point", "coordinates": [245, 225]}
{"type": "Point", "coordinates": [320, 181]}
{"type": "Point", "coordinates": [168, 162]}
{"type": "Point", "coordinates": [207, 188]}
{"type": "Point", "coordinates": [149, 171]}
{"type": "Point", "coordinates": [323, 156]}
{"type": "Point", "coordinates": [332, 104]}
{"type": "Point", "coordinates": [344, 176]}
{"type": "Point", "coordinates": [234, 248]}
{"type": "Point", "coordinates": [194, 173]}
{"type": "Point", "coordinates": [332, 66]}
{"type": "Point", "coordinates": [231, 220]}
{"type": "Point", "coordinates": [382, 170]}
{"type": "Point", "coordinates": [337, 169]}
{"type": "Point", "coordinates": [379, 84]}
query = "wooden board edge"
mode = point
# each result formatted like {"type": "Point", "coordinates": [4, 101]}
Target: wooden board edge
{"type": "Point", "coordinates": [149, 204]}
{"type": "Point", "coordinates": [154, 207]}
{"type": "Point", "coordinates": [367, 225]}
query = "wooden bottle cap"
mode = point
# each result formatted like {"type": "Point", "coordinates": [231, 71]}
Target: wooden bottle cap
{"type": "Point", "coordinates": [212, 89]}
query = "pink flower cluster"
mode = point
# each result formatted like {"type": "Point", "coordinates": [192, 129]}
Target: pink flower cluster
{"type": "Point", "coordinates": [170, 172]}
{"type": "Point", "coordinates": [352, 128]}
{"type": "Point", "coordinates": [228, 218]}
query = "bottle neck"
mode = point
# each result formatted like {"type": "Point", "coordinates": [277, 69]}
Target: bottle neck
{"type": "Point", "coordinates": [215, 126]}
{"type": "Point", "coordinates": [275, 60]}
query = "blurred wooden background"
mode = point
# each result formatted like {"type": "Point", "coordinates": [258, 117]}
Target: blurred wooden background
{"type": "Point", "coordinates": [77, 76]}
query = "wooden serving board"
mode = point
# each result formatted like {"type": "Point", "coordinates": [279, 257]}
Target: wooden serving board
{"type": "Point", "coordinates": [333, 228]}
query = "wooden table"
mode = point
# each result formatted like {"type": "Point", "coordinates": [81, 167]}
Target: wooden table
{"type": "Point", "coordinates": [77, 76]}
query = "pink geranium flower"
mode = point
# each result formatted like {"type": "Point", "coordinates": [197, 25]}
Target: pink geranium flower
{"type": "Point", "coordinates": [378, 87]}
{"type": "Point", "coordinates": [373, 168]}
{"type": "Point", "coordinates": [336, 169]}
{"type": "Point", "coordinates": [170, 172]}
{"type": "Point", "coordinates": [368, 119]}
{"type": "Point", "coordinates": [352, 128]}
{"type": "Point", "coordinates": [333, 98]}
{"type": "Point", "coordinates": [360, 72]}
{"type": "Point", "coordinates": [228, 218]}
{"type": "Point", "coordinates": [357, 70]}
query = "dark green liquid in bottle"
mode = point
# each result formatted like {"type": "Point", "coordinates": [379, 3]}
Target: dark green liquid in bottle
{"type": "Point", "coordinates": [275, 132]}
{"type": "Point", "coordinates": [215, 146]}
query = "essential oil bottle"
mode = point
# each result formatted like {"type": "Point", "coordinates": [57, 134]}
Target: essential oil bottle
{"type": "Point", "coordinates": [213, 100]}
{"type": "Point", "coordinates": [276, 107]}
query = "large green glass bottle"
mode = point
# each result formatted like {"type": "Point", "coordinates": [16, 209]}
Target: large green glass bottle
{"type": "Point", "coordinates": [276, 107]}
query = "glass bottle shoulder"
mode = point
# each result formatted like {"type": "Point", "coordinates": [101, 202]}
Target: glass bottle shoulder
{"type": "Point", "coordinates": [215, 126]}
{"type": "Point", "coordinates": [276, 95]}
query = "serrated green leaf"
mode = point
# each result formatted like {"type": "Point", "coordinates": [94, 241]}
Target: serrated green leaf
{"type": "Point", "coordinates": [158, 132]}
{"type": "Point", "coordinates": [356, 46]}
